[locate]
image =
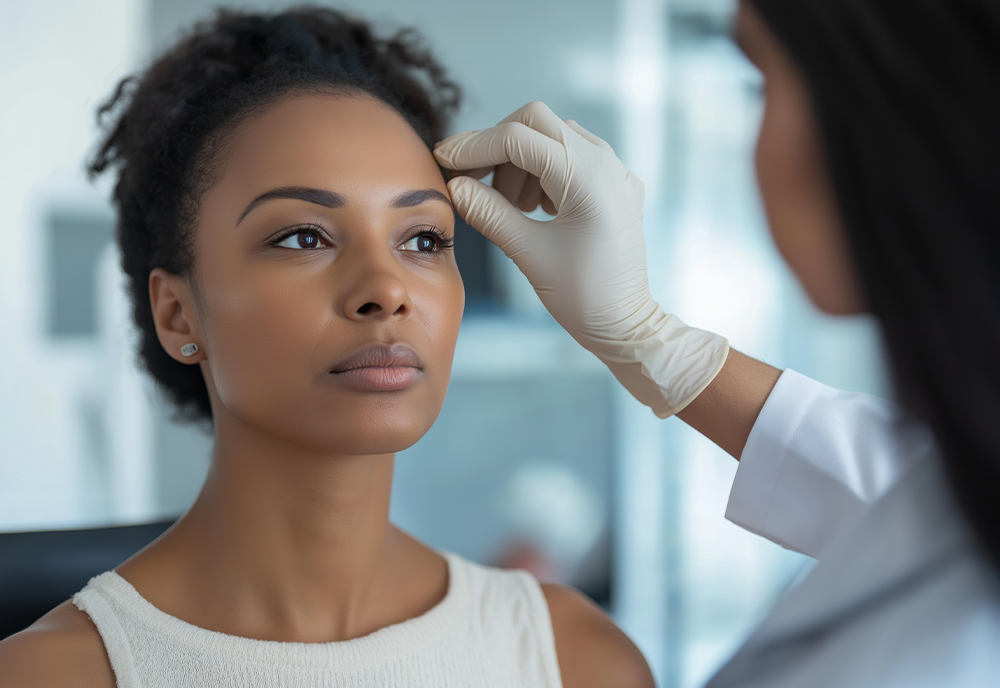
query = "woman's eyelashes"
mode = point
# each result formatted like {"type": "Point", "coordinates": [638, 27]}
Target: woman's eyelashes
{"type": "Point", "coordinates": [307, 238]}
{"type": "Point", "coordinates": [300, 238]}
{"type": "Point", "coordinates": [428, 240]}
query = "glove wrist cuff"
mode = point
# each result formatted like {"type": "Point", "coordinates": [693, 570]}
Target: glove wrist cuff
{"type": "Point", "coordinates": [664, 363]}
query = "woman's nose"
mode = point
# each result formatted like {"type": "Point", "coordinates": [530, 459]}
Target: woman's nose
{"type": "Point", "coordinates": [380, 296]}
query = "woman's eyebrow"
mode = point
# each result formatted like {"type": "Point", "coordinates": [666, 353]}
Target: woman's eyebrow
{"type": "Point", "coordinates": [331, 199]}
{"type": "Point", "coordinates": [327, 199]}
{"type": "Point", "coordinates": [409, 199]}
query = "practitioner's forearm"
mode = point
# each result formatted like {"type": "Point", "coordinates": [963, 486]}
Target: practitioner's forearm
{"type": "Point", "coordinates": [728, 408]}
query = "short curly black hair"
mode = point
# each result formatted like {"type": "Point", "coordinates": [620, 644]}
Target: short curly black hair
{"type": "Point", "coordinates": [165, 127]}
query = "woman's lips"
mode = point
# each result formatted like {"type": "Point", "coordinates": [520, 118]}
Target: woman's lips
{"type": "Point", "coordinates": [379, 368]}
{"type": "Point", "coordinates": [378, 379]}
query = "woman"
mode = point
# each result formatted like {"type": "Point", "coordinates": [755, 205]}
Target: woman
{"type": "Point", "coordinates": [877, 166]}
{"type": "Point", "coordinates": [287, 236]}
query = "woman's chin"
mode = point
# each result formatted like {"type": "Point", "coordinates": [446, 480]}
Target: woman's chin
{"type": "Point", "coordinates": [366, 447]}
{"type": "Point", "coordinates": [368, 434]}
{"type": "Point", "coordinates": [351, 425]}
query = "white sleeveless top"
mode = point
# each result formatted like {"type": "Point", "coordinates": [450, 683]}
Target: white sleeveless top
{"type": "Point", "coordinates": [491, 629]}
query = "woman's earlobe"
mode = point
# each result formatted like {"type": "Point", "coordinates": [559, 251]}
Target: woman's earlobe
{"type": "Point", "coordinates": [167, 297]}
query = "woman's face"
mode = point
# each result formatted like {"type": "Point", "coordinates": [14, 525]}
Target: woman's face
{"type": "Point", "coordinates": [794, 182]}
{"type": "Point", "coordinates": [328, 296]}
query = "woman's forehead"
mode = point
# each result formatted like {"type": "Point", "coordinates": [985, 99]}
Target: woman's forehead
{"type": "Point", "coordinates": [329, 141]}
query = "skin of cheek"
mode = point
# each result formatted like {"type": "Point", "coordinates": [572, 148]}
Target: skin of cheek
{"type": "Point", "coordinates": [798, 194]}
{"type": "Point", "coordinates": [274, 325]}
{"type": "Point", "coordinates": [440, 326]}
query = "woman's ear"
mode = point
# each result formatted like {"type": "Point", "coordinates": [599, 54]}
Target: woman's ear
{"type": "Point", "coordinates": [174, 315]}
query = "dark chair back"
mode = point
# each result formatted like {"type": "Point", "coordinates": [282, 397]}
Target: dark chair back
{"type": "Point", "coordinates": [40, 570]}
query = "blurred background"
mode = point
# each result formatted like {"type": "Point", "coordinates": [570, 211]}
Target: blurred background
{"type": "Point", "coordinates": [538, 460]}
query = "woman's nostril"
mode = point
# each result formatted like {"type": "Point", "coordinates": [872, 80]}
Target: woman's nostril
{"type": "Point", "coordinates": [369, 308]}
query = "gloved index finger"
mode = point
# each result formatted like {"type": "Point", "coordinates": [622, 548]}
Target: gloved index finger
{"type": "Point", "coordinates": [536, 115]}
{"type": "Point", "coordinates": [511, 142]}
{"type": "Point", "coordinates": [539, 116]}
{"type": "Point", "coordinates": [593, 138]}
{"type": "Point", "coordinates": [477, 173]}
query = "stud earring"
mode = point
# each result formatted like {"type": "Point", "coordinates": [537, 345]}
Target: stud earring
{"type": "Point", "coordinates": [189, 349]}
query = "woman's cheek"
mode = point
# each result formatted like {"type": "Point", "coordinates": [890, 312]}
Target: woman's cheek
{"type": "Point", "coordinates": [446, 304]}
{"type": "Point", "coordinates": [802, 213]}
{"type": "Point", "coordinates": [266, 332]}
{"type": "Point", "coordinates": [772, 178]}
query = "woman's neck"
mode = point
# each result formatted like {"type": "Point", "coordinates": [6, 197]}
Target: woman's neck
{"type": "Point", "coordinates": [284, 543]}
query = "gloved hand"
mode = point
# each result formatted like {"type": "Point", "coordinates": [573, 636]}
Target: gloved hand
{"type": "Point", "coordinates": [588, 264]}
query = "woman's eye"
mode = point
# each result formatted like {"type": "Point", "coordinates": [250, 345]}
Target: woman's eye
{"type": "Point", "coordinates": [423, 243]}
{"type": "Point", "coordinates": [306, 239]}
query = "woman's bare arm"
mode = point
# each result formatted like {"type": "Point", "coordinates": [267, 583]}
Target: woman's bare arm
{"type": "Point", "coordinates": [592, 651]}
{"type": "Point", "coordinates": [728, 408]}
{"type": "Point", "coordinates": [63, 649]}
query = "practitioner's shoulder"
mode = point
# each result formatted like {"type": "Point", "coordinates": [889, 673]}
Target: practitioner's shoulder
{"type": "Point", "coordinates": [63, 648]}
{"type": "Point", "coordinates": [592, 650]}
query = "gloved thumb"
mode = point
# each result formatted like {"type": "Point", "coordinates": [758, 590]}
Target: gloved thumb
{"type": "Point", "coordinates": [488, 212]}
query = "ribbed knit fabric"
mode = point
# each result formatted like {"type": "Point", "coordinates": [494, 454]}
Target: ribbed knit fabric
{"type": "Point", "coordinates": [491, 629]}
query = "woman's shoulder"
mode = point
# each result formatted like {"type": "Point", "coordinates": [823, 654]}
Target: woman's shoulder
{"type": "Point", "coordinates": [592, 650]}
{"type": "Point", "coordinates": [63, 648]}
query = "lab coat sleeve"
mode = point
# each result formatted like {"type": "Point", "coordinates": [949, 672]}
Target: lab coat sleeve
{"type": "Point", "coordinates": [815, 458]}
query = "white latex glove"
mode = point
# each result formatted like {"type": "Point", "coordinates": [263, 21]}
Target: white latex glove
{"type": "Point", "coordinates": [588, 264]}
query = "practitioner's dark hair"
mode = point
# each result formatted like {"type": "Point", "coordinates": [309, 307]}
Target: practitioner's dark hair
{"type": "Point", "coordinates": [907, 94]}
{"type": "Point", "coordinates": [166, 127]}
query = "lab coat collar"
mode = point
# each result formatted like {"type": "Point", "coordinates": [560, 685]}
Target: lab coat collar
{"type": "Point", "coordinates": [906, 536]}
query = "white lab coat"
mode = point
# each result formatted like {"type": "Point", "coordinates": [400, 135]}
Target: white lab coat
{"type": "Point", "coordinates": [899, 596]}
